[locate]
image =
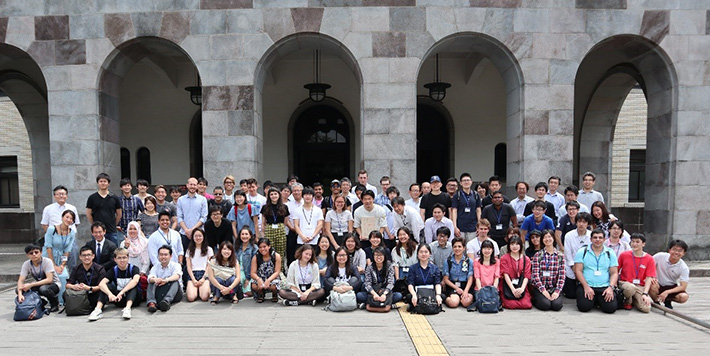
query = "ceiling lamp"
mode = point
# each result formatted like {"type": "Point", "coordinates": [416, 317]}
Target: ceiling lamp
{"type": "Point", "coordinates": [316, 90]}
{"type": "Point", "coordinates": [437, 89]}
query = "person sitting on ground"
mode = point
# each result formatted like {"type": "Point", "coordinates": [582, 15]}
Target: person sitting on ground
{"type": "Point", "coordinates": [224, 274]}
{"type": "Point", "coordinates": [672, 275]}
{"type": "Point", "coordinates": [473, 247]}
{"type": "Point", "coordinates": [87, 275]}
{"type": "Point", "coordinates": [60, 246]}
{"type": "Point", "coordinates": [342, 270]}
{"type": "Point", "coordinates": [486, 268]}
{"type": "Point", "coordinates": [137, 246]}
{"type": "Point", "coordinates": [302, 279]}
{"type": "Point", "coordinates": [44, 279]}
{"type": "Point", "coordinates": [357, 255]}
{"type": "Point", "coordinates": [423, 274]}
{"type": "Point", "coordinates": [441, 249]}
{"type": "Point", "coordinates": [458, 276]}
{"type": "Point", "coordinates": [164, 281]}
{"type": "Point", "coordinates": [535, 243]}
{"type": "Point", "coordinates": [515, 267]}
{"type": "Point", "coordinates": [637, 269]}
{"type": "Point", "coordinates": [120, 286]}
{"type": "Point", "coordinates": [547, 276]}
{"type": "Point", "coordinates": [379, 282]}
{"type": "Point", "coordinates": [596, 268]}
{"type": "Point", "coordinates": [265, 270]}
{"type": "Point", "coordinates": [245, 250]}
{"type": "Point", "coordinates": [375, 242]}
{"type": "Point", "coordinates": [615, 238]}
{"type": "Point", "coordinates": [198, 253]}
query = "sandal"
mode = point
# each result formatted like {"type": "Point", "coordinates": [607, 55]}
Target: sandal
{"type": "Point", "coordinates": [260, 298]}
{"type": "Point", "coordinates": [214, 301]}
{"type": "Point", "coordinates": [235, 300]}
{"type": "Point", "coordinates": [274, 298]}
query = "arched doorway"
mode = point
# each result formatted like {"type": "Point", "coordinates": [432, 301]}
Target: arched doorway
{"type": "Point", "coordinates": [321, 145]}
{"type": "Point", "coordinates": [433, 143]}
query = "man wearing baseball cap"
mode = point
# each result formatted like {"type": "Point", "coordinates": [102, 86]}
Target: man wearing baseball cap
{"type": "Point", "coordinates": [426, 205]}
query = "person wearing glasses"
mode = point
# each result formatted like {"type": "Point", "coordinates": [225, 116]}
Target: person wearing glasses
{"type": "Point", "coordinates": [597, 270]}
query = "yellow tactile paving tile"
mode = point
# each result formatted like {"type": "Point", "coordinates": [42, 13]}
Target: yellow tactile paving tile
{"type": "Point", "coordinates": [422, 334]}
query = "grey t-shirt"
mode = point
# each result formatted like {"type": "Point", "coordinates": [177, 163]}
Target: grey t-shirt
{"type": "Point", "coordinates": [38, 273]}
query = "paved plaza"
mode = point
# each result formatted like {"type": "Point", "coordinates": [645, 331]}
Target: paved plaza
{"type": "Point", "coordinates": [249, 328]}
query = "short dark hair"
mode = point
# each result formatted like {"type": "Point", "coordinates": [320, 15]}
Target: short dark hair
{"type": "Point", "coordinates": [541, 185]}
{"type": "Point", "coordinates": [308, 191]}
{"type": "Point", "coordinates": [361, 188]}
{"type": "Point", "coordinates": [124, 181]}
{"type": "Point", "coordinates": [572, 188]}
{"type": "Point", "coordinates": [267, 184]}
{"type": "Point", "coordinates": [86, 248]}
{"type": "Point", "coordinates": [464, 174]}
{"type": "Point", "coordinates": [31, 247]}
{"type": "Point", "coordinates": [384, 178]}
{"type": "Point", "coordinates": [452, 179]}
{"type": "Point", "coordinates": [493, 179]}
{"type": "Point", "coordinates": [166, 247]}
{"type": "Point", "coordinates": [103, 176]}
{"type": "Point", "coordinates": [98, 224]}
{"type": "Point", "coordinates": [60, 187]}
{"type": "Point", "coordinates": [164, 212]}
{"type": "Point", "coordinates": [443, 230]}
{"type": "Point", "coordinates": [160, 186]}
{"type": "Point", "coordinates": [392, 189]}
{"type": "Point", "coordinates": [539, 204]}
{"type": "Point", "coordinates": [202, 180]}
{"type": "Point", "coordinates": [215, 208]}
{"type": "Point", "coordinates": [597, 231]}
{"type": "Point", "coordinates": [317, 184]}
{"type": "Point", "coordinates": [142, 182]}
{"type": "Point", "coordinates": [679, 243]}
{"type": "Point", "coordinates": [554, 177]}
{"type": "Point", "coordinates": [440, 206]}
{"type": "Point", "coordinates": [175, 188]}
{"type": "Point", "coordinates": [413, 184]}
{"type": "Point", "coordinates": [638, 236]}
{"type": "Point", "coordinates": [216, 188]}
{"type": "Point", "coordinates": [368, 192]}
{"type": "Point", "coordinates": [243, 181]}
{"type": "Point", "coordinates": [398, 201]}
{"type": "Point", "coordinates": [585, 216]}
{"type": "Point", "coordinates": [527, 186]}
{"type": "Point", "coordinates": [573, 203]}
{"type": "Point", "coordinates": [292, 177]}
{"type": "Point", "coordinates": [459, 240]}
{"type": "Point", "coordinates": [589, 174]}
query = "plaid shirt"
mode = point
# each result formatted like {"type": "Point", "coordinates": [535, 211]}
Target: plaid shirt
{"type": "Point", "coordinates": [555, 264]}
{"type": "Point", "coordinates": [131, 207]}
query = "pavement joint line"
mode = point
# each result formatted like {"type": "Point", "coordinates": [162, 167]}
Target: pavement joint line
{"type": "Point", "coordinates": [423, 336]}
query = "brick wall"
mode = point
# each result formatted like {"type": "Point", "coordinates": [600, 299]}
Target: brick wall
{"type": "Point", "coordinates": [630, 133]}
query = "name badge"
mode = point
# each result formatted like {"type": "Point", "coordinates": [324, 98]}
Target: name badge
{"type": "Point", "coordinates": [514, 281]}
{"type": "Point", "coordinates": [274, 226]}
{"type": "Point", "coordinates": [499, 227]}
{"type": "Point", "coordinates": [466, 210]}
{"type": "Point", "coordinates": [642, 266]}
{"type": "Point", "coordinates": [457, 284]}
{"type": "Point", "coordinates": [597, 273]}
{"type": "Point", "coordinates": [405, 269]}
{"type": "Point", "coordinates": [303, 287]}
{"type": "Point", "coordinates": [546, 273]}
{"type": "Point", "coordinates": [340, 234]}
{"type": "Point", "coordinates": [636, 281]}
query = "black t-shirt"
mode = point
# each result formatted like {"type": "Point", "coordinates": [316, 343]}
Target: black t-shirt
{"type": "Point", "coordinates": [216, 235]}
{"type": "Point", "coordinates": [428, 201]}
{"type": "Point", "coordinates": [498, 219]}
{"type": "Point", "coordinates": [564, 226]}
{"type": "Point", "coordinates": [272, 216]}
{"type": "Point", "coordinates": [104, 209]}
{"type": "Point", "coordinates": [92, 277]}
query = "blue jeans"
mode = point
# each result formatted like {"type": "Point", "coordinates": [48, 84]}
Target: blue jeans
{"type": "Point", "coordinates": [115, 237]}
{"type": "Point", "coordinates": [217, 293]}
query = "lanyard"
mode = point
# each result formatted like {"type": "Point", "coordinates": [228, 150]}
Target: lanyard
{"type": "Point", "coordinates": [337, 218]}
{"type": "Point", "coordinates": [636, 268]}
{"type": "Point", "coordinates": [273, 212]}
{"type": "Point", "coordinates": [32, 270]}
{"type": "Point", "coordinates": [498, 213]}
{"type": "Point", "coordinates": [547, 260]}
{"type": "Point", "coordinates": [303, 276]}
{"type": "Point", "coordinates": [310, 216]}
{"type": "Point", "coordinates": [168, 239]}
{"type": "Point", "coordinates": [421, 272]}
{"type": "Point", "coordinates": [466, 198]}
{"type": "Point", "coordinates": [598, 258]}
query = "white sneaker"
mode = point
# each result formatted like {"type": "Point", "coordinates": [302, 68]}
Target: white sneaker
{"type": "Point", "coordinates": [96, 315]}
{"type": "Point", "coordinates": [127, 313]}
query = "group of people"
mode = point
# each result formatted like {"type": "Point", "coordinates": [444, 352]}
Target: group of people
{"type": "Point", "coordinates": [298, 245]}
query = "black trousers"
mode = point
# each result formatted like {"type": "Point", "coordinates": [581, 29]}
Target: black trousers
{"type": "Point", "coordinates": [291, 246]}
{"type": "Point", "coordinates": [130, 295]}
{"type": "Point", "coordinates": [585, 305]}
{"type": "Point", "coordinates": [569, 290]}
{"type": "Point", "coordinates": [541, 302]}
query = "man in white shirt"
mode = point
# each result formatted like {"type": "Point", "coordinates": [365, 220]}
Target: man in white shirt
{"type": "Point", "coordinates": [346, 186]}
{"type": "Point", "coordinates": [362, 179]}
{"type": "Point", "coordinates": [164, 282]}
{"type": "Point", "coordinates": [521, 200]}
{"type": "Point", "coordinates": [574, 240]}
{"type": "Point", "coordinates": [571, 193]}
{"type": "Point", "coordinates": [165, 236]}
{"type": "Point", "coordinates": [308, 220]}
{"type": "Point", "coordinates": [672, 275]}
{"type": "Point", "coordinates": [553, 196]}
{"type": "Point", "coordinates": [406, 216]}
{"type": "Point", "coordinates": [415, 194]}
{"type": "Point", "coordinates": [52, 213]}
{"type": "Point", "coordinates": [473, 247]}
{"type": "Point", "coordinates": [294, 204]}
{"type": "Point", "coordinates": [255, 199]}
{"type": "Point", "coordinates": [370, 216]}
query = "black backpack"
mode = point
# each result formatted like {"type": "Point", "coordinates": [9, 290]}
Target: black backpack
{"type": "Point", "coordinates": [426, 302]}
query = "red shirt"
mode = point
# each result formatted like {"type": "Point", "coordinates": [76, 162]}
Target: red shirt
{"type": "Point", "coordinates": [636, 268]}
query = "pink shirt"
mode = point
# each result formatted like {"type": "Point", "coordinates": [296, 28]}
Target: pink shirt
{"type": "Point", "coordinates": [487, 274]}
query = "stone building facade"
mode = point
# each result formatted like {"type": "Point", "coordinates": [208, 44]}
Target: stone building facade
{"type": "Point", "coordinates": [556, 73]}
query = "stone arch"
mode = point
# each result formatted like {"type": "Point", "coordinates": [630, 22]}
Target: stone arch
{"type": "Point", "coordinates": [174, 69]}
{"type": "Point", "coordinates": [295, 51]}
{"type": "Point", "coordinates": [479, 50]}
{"type": "Point", "coordinates": [22, 80]}
{"type": "Point", "coordinates": [604, 78]}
